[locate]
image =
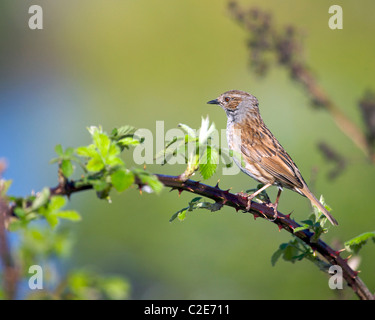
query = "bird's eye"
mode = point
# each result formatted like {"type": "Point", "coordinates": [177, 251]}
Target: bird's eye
{"type": "Point", "coordinates": [226, 99]}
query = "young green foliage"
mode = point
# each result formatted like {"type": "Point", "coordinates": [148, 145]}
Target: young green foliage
{"type": "Point", "coordinates": [104, 166]}
{"type": "Point", "coordinates": [355, 244]}
{"type": "Point", "coordinates": [85, 284]}
{"type": "Point", "coordinates": [64, 160]}
{"type": "Point", "coordinates": [316, 222]}
{"type": "Point", "coordinates": [102, 154]}
{"type": "Point", "coordinates": [296, 250]}
{"type": "Point", "coordinates": [104, 169]}
{"type": "Point", "coordinates": [196, 148]}
{"type": "Point", "coordinates": [194, 204]}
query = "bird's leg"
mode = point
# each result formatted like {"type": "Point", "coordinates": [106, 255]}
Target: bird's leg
{"type": "Point", "coordinates": [253, 195]}
{"type": "Point", "coordinates": [274, 205]}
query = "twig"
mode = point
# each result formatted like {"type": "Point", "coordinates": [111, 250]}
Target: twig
{"type": "Point", "coordinates": [283, 221]}
{"type": "Point", "coordinates": [239, 202]}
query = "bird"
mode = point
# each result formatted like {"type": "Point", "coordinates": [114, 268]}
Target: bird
{"type": "Point", "coordinates": [258, 153]}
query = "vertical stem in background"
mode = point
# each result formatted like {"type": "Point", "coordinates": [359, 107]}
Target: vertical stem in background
{"type": "Point", "coordinates": [300, 73]}
{"type": "Point", "coordinates": [266, 38]}
{"type": "Point", "coordinates": [10, 272]}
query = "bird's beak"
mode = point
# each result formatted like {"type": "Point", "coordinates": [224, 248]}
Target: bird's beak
{"type": "Point", "coordinates": [213, 102]}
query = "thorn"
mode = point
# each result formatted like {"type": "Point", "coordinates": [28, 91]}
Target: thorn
{"type": "Point", "coordinates": [224, 201]}
{"type": "Point", "coordinates": [179, 191]}
{"type": "Point", "coordinates": [172, 189]}
{"type": "Point", "coordinates": [280, 227]}
{"type": "Point", "coordinates": [256, 216]}
{"type": "Point", "coordinates": [217, 184]}
{"type": "Point", "coordinates": [348, 257]}
{"type": "Point", "coordinates": [288, 215]}
{"type": "Point", "coordinates": [356, 273]}
{"type": "Point", "coordinates": [337, 253]}
{"type": "Point", "coordinates": [227, 191]}
{"type": "Point", "coordinates": [144, 167]}
{"type": "Point", "coordinates": [237, 209]}
{"type": "Point", "coordinates": [140, 191]}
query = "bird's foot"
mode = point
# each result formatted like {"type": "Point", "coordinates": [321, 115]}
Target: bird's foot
{"type": "Point", "coordinates": [249, 198]}
{"type": "Point", "coordinates": [274, 207]}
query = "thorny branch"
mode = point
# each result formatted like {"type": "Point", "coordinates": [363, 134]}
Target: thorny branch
{"type": "Point", "coordinates": [239, 202]}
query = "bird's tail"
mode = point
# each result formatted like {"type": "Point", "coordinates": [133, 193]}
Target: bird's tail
{"type": "Point", "coordinates": [316, 202]}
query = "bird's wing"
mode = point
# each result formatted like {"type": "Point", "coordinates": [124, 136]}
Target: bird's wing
{"type": "Point", "coordinates": [266, 152]}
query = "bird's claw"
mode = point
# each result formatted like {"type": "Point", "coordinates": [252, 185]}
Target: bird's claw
{"type": "Point", "coordinates": [249, 198]}
{"type": "Point", "coordinates": [274, 207]}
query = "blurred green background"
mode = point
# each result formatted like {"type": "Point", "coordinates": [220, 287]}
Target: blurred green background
{"type": "Point", "coordinates": [135, 62]}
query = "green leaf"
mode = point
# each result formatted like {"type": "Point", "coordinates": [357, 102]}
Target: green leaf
{"type": "Point", "coordinates": [290, 253]}
{"type": "Point", "coordinates": [122, 179]}
{"type": "Point", "coordinates": [69, 151]}
{"type": "Point", "coordinates": [208, 162]}
{"type": "Point", "coordinates": [112, 158]}
{"type": "Point", "coordinates": [195, 200]}
{"type": "Point", "coordinates": [355, 244]}
{"type": "Point", "coordinates": [95, 164]}
{"type": "Point", "coordinates": [59, 150]}
{"type": "Point", "coordinates": [114, 161]}
{"type": "Point", "coordinates": [182, 215]}
{"type": "Point", "coordinates": [122, 131]}
{"type": "Point", "coordinates": [69, 215]}
{"type": "Point", "coordinates": [188, 130]}
{"type": "Point", "coordinates": [113, 151]}
{"type": "Point", "coordinates": [304, 227]}
{"type": "Point", "coordinates": [88, 151]}
{"type": "Point", "coordinates": [100, 185]}
{"type": "Point", "coordinates": [151, 181]}
{"type": "Point", "coordinates": [115, 288]}
{"type": "Point", "coordinates": [277, 254]}
{"type": "Point", "coordinates": [56, 203]}
{"type": "Point", "coordinates": [19, 212]}
{"type": "Point", "coordinates": [41, 199]}
{"type": "Point", "coordinates": [175, 215]}
{"type": "Point", "coordinates": [128, 141]}
{"type": "Point", "coordinates": [16, 225]}
{"type": "Point", "coordinates": [102, 142]}
{"type": "Point", "coordinates": [67, 168]}
{"type": "Point", "coordinates": [52, 219]}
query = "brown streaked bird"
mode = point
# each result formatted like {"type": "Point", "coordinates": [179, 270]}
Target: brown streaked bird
{"type": "Point", "coordinates": [261, 156]}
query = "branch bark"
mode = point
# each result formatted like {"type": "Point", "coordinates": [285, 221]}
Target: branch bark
{"type": "Point", "coordinates": [283, 222]}
{"type": "Point", "coordinates": [239, 202]}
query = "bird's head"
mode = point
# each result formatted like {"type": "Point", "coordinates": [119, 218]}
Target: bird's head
{"type": "Point", "coordinates": [235, 100]}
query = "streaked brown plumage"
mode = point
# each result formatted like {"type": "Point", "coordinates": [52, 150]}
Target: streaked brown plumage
{"type": "Point", "coordinates": [259, 154]}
